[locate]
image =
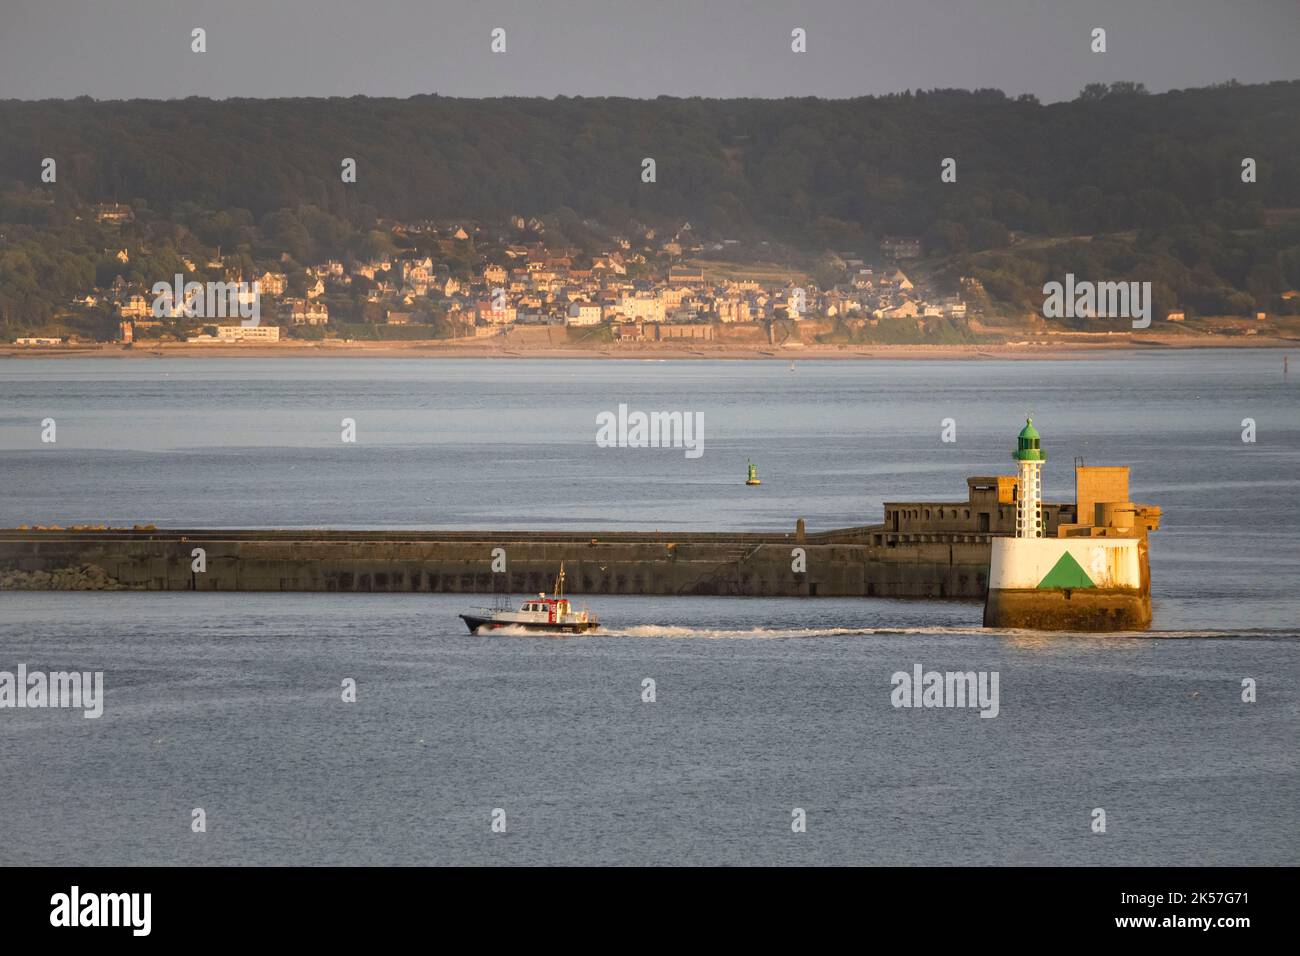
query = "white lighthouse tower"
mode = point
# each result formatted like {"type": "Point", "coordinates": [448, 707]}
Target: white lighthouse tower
{"type": "Point", "coordinates": [1029, 503]}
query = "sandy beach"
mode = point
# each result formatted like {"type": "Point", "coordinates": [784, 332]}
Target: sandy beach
{"type": "Point", "coordinates": [1045, 347]}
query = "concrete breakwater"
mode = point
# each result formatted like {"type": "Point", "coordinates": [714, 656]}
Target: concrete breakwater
{"type": "Point", "coordinates": [850, 562]}
{"type": "Point", "coordinates": [1037, 563]}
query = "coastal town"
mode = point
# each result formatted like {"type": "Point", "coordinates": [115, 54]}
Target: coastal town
{"type": "Point", "coordinates": [466, 280]}
{"type": "Point", "coordinates": [519, 283]}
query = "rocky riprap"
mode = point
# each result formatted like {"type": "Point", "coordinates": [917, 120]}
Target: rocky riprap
{"type": "Point", "coordinates": [87, 577]}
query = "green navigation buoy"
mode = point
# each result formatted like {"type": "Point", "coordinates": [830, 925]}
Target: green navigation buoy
{"type": "Point", "coordinates": [753, 475]}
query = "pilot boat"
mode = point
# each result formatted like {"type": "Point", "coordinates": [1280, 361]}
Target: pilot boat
{"type": "Point", "coordinates": [541, 613]}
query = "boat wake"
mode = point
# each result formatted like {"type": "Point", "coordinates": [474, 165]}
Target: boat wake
{"type": "Point", "coordinates": [670, 630]}
{"type": "Point", "coordinates": [520, 631]}
{"type": "Point", "coordinates": [771, 633]}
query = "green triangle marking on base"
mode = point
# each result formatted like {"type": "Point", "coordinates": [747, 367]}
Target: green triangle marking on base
{"type": "Point", "coordinates": [1066, 573]}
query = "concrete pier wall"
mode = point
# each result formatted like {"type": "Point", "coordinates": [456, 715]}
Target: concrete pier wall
{"type": "Point", "coordinates": [852, 562]}
{"type": "Point", "coordinates": [1064, 609]}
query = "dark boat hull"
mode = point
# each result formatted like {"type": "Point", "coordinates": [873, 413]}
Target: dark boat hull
{"type": "Point", "coordinates": [475, 623]}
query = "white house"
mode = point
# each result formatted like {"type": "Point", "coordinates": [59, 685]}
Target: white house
{"type": "Point", "coordinates": [583, 313]}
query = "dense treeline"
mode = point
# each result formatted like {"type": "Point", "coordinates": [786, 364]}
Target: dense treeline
{"type": "Point", "coordinates": [809, 168]}
{"type": "Point", "coordinates": [811, 173]}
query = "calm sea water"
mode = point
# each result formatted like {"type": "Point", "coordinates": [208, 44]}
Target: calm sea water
{"type": "Point", "coordinates": [231, 702]}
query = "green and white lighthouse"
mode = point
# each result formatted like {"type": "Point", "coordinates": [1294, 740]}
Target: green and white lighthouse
{"type": "Point", "coordinates": [1029, 456]}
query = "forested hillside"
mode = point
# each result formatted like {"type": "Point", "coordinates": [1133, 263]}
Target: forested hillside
{"type": "Point", "coordinates": [808, 173]}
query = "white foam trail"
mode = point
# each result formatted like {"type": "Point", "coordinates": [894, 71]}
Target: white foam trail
{"type": "Point", "coordinates": [756, 633]}
{"type": "Point", "coordinates": [520, 632]}
{"type": "Point", "coordinates": [767, 633]}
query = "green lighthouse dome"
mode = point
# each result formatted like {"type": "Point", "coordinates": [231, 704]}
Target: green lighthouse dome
{"type": "Point", "coordinates": [1028, 444]}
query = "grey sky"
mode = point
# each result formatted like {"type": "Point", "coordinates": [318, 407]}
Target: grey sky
{"type": "Point", "coordinates": [141, 48]}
